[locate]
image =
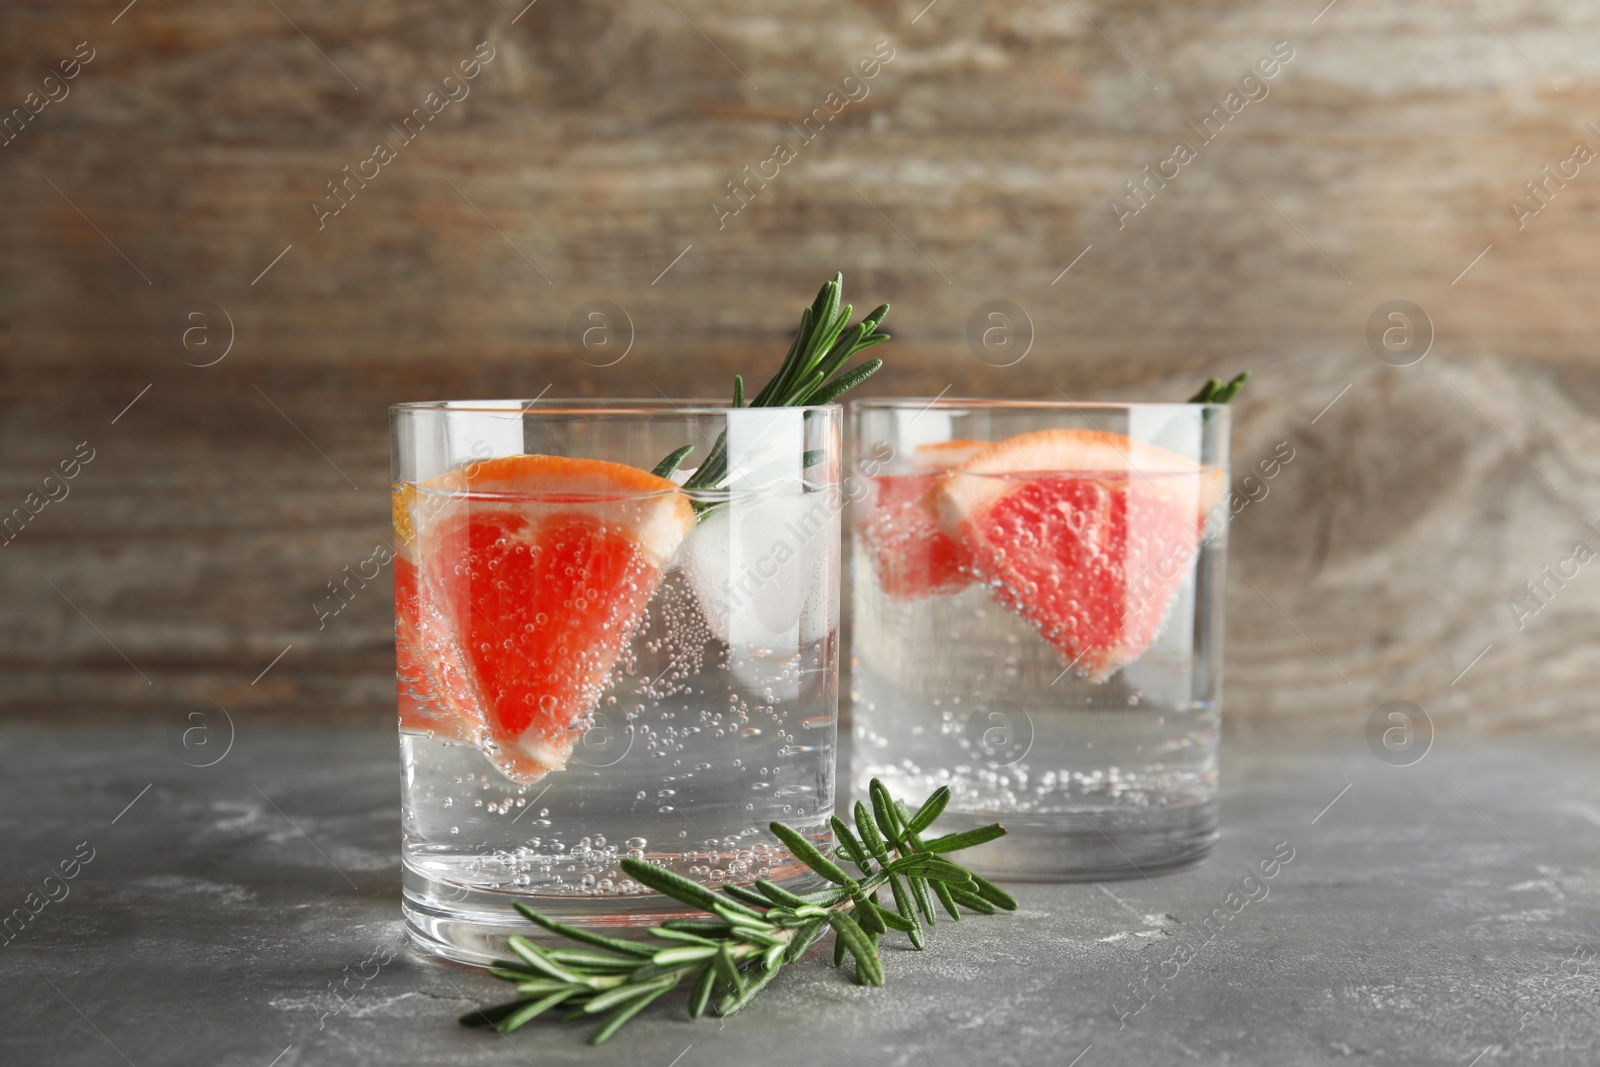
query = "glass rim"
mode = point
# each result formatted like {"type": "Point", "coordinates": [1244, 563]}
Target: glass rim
{"type": "Point", "coordinates": [937, 403]}
{"type": "Point", "coordinates": [596, 406]}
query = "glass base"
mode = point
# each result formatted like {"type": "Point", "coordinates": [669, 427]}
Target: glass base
{"type": "Point", "coordinates": [471, 925]}
{"type": "Point", "coordinates": [1097, 846]}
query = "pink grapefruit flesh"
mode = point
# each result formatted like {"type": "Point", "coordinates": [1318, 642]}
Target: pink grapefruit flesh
{"type": "Point", "coordinates": [912, 555]}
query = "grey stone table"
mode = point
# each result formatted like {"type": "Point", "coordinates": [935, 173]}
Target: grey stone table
{"type": "Point", "coordinates": [1442, 913]}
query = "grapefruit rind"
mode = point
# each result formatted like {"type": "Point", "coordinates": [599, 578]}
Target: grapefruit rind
{"type": "Point", "coordinates": [657, 510]}
{"type": "Point", "coordinates": [1064, 452]}
{"type": "Point", "coordinates": [942, 455]}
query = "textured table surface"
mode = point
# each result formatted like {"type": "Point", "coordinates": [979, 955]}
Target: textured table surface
{"type": "Point", "coordinates": [1440, 913]}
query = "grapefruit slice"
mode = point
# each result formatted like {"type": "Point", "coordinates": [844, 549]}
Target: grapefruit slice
{"type": "Point", "coordinates": [1086, 535]}
{"type": "Point", "coordinates": [427, 668]}
{"type": "Point", "coordinates": [913, 556]}
{"type": "Point", "coordinates": [535, 571]}
{"type": "Point", "coordinates": [417, 712]}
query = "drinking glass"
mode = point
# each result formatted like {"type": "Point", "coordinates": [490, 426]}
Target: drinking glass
{"type": "Point", "coordinates": [1037, 624]}
{"type": "Point", "coordinates": [595, 661]}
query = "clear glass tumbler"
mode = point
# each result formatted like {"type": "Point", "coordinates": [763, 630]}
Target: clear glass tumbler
{"type": "Point", "coordinates": [1037, 624]}
{"type": "Point", "coordinates": [599, 657]}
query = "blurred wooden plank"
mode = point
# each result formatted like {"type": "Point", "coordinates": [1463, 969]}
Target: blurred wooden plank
{"type": "Point", "coordinates": [980, 164]}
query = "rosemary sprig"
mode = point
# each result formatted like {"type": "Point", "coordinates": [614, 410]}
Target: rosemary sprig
{"type": "Point", "coordinates": [1215, 391]}
{"type": "Point", "coordinates": [751, 932]}
{"type": "Point", "coordinates": [812, 373]}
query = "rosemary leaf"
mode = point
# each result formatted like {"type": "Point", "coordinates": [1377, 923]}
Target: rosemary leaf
{"type": "Point", "coordinates": [585, 958]}
{"type": "Point", "coordinates": [535, 958]}
{"type": "Point", "coordinates": [796, 346]}
{"type": "Point", "coordinates": [883, 810]}
{"type": "Point", "coordinates": [994, 894]}
{"type": "Point", "coordinates": [700, 997]}
{"type": "Point", "coordinates": [733, 1003]}
{"type": "Point", "coordinates": [860, 946]}
{"type": "Point", "coordinates": [779, 895]}
{"type": "Point", "coordinates": [705, 927]}
{"type": "Point", "coordinates": [968, 899]}
{"type": "Point", "coordinates": [667, 466]}
{"type": "Point", "coordinates": [760, 937]}
{"type": "Point", "coordinates": [848, 344]}
{"type": "Point", "coordinates": [876, 317]}
{"type": "Point", "coordinates": [1215, 392]}
{"type": "Point", "coordinates": [930, 810]}
{"type": "Point", "coordinates": [526, 1013]}
{"type": "Point", "coordinates": [820, 347]}
{"type": "Point", "coordinates": [826, 898]}
{"type": "Point", "coordinates": [965, 838]}
{"type": "Point", "coordinates": [669, 883]}
{"type": "Point", "coordinates": [919, 890]}
{"type": "Point", "coordinates": [847, 838]}
{"type": "Point", "coordinates": [920, 887]}
{"type": "Point", "coordinates": [869, 834]}
{"type": "Point", "coordinates": [931, 867]}
{"type": "Point", "coordinates": [649, 972]}
{"type": "Point", "coordinates": [513, 974]}
{"type": "Point", "coordinates": [892, 919]}
{"type": "Point", "coordinates": [866, 914]}
{"type": "Point", "coordinates": [574, 933]}
{"type": "Point", "coordinates": [684, 954]}
{"type": "Point", "coordinates": [825, 311]}
{"type": "Point", "coordinates": [802, 940]}
{"type": "Point", "coordinates": [739, 917]}
{"type": "Point", "coordinates": [1231, 390]}
{"type": "Point", "coordinates": [857, 943]}
{"type": "Point", "coordinates": [845, 382]}
{"type": "Point", "coordinates": [614, 1023]}
{"type": "Point", "coordinates": [902, 902]}
{"type": "Point", "coordinates": [679, 888]}
{"type": "Point", "coordinates": [723, 962]}
{"type": "Point", "coordinates": [612, 997]}
{"type": "Point", "coordinates": [807, 853]}
{"type": "Point", "coordinates": [538, 988]}
{"type": "Point", "coordinates": [670, 933]}
{"type": "Point", "coordinates": [746, 896]}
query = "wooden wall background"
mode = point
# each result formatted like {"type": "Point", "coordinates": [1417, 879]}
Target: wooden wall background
{"type": "Point", "coordinates": [980, 165]}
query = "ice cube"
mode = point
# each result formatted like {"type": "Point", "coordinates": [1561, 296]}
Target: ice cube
{"type": "Point", "coordinates": [764, 565]}
{"type": "Point", "coordinates": [764, 570]}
